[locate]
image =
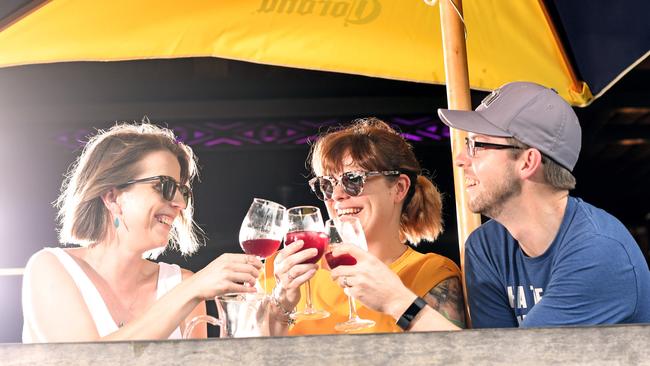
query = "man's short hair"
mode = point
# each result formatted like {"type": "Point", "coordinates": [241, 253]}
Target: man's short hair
{"type": "Point", "coordinates": [555, 174]}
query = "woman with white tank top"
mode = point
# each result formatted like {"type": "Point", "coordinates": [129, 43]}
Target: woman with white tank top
{"type": "Point", "coordinates": [127, 197]}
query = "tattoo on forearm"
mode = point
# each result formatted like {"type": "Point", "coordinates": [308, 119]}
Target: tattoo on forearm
{"type": "Point", "coordinates": [447, 299]}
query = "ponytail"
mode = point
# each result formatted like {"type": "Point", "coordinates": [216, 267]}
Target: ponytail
{"type": "Point", "coordinates": [422, 214]}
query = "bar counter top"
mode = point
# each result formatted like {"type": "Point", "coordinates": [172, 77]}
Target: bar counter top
{"type": "Point", "coordinates": [603, 345]}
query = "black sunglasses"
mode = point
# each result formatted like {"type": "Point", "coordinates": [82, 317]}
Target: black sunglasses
{"type": "Point", "coordinates": [352, 182]}
{"type": "Point", "coordinates": [166, 185]}
{"type": "Point", "coordinates": [473, 145]}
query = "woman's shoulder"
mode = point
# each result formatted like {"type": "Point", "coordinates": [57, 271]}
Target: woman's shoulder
{"type": "Point", "coordinates": [47, 267]}
{"type": "Point", "coordinates": [427, 267]}
{"type": "Point", "coordinates": [52, 300]}
{"type": "Point", "coordinates": [48, 258]}
{"type": "Point", "coordinates": [431, 261]}
{"type": "Point", "coordinates": [63, 256]}
{"type": "Point", "coordinates": [172, 268]}
{"type": "Point", "coordinates": [441, 262]}
{"type": "Point", "coordinates": [423, 271]}
{"type": "Point", "coordinates": [59, 261]}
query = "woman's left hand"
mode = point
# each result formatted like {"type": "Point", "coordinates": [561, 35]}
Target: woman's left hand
{"type": "Point", "coordinates": [370, 280]}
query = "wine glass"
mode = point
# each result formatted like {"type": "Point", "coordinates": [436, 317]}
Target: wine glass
{"type": "Point", "coordinates": [306, 224]}
{"type": "Point", "coordinates": [347, 229]}
{"type": "Point", "coordinates": [262, 230]}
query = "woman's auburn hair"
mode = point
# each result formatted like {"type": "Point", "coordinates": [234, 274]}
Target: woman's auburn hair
{"type": "Point", "coordinates": [373, 145]}
{"type": "Point", "coordinates": [110, 158]}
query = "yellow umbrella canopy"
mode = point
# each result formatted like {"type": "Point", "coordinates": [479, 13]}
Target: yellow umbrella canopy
{"type": "Point", "coordinates": [396, 39]}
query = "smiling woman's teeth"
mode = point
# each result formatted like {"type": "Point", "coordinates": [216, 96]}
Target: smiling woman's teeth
{"type": "Point", "coordinates": [164, 220]}
{"type": "Point", "coordinates": [348, 211]}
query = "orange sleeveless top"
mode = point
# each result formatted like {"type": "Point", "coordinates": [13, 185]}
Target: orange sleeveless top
{"type": "Point", "coordinates": [419, 272]}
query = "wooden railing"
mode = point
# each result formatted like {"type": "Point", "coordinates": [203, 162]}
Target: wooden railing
{"type": "Point", "coordinates": [605, 345]}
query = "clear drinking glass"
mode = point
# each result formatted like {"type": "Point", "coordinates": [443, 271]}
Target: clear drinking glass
{"type": "Point", "coordinates": [306, 223]}
{"type": "Point", "coordinates": [347, 230]}
{"type": "Point", "coordinates": [262, 230]}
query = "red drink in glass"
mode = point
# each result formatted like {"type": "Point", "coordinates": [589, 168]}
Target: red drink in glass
{"type": "Point", "coordinates": [262, 248]}
{"type": "Point", "coordinates": [312, 239]}
{"type": "Point", "coordinates": [341, 260]}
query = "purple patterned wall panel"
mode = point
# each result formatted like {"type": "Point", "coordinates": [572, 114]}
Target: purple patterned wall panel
{"type": "Point", "coordinates": [218, 135]}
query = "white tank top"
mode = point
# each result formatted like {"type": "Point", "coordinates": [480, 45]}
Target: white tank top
{"type": "Point", "coordinates": [169, 275]}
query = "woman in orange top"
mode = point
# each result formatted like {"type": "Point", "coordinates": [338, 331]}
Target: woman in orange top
{"type": "Point", "coordinates": [369, 171]}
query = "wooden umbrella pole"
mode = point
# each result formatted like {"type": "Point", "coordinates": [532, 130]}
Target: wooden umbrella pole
{"type": "Point", "coordinates": [458, 97]}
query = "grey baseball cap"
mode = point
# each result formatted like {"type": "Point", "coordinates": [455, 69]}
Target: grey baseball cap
{"type": "Point", "coordinates": [531, 113]}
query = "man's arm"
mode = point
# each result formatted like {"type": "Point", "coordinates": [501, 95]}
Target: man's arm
{"type": "Point", "coordinates": [489, 306]}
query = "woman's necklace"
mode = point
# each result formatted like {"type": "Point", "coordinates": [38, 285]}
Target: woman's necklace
{"type": "Point", "coordinates": [138, 284]}
{"type": "Point", "coordinates": [129, 310]}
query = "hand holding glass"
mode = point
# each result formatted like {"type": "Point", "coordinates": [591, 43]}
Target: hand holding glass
{"type": "Point", "coordinates": [306, 224]}
{"type": "Point", "coordinates": [262, 230]}
{"type": "Point", "coordinates": [347, 229]}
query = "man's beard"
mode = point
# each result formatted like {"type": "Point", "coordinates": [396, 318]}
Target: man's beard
{"type": "Point", "coordinates": [491, 201]}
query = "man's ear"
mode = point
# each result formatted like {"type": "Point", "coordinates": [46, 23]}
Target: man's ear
{"type": "Point", "coordinates": [529, 163]}
{"type": "Point", "coordinates": [110, 199]}
{"type": "Point", "coordinates": [402, 187]}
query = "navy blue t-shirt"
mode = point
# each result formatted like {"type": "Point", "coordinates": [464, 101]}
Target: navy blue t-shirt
{"type": "Point", "coordinates": [593, 273]}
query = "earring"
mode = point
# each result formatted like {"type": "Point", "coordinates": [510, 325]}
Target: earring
{"type": "Point", "coordinates": [116, 222]}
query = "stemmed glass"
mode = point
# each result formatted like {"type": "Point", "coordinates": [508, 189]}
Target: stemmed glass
{"type": "Point", "coordinates": [347, 229]}
{"type": "Point", "coordinates": [262, 230]}
{"type": "Point", "coordinates": [306, 224]}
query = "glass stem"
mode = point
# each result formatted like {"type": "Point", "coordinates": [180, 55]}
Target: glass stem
{"type": "Point", "coordinates": [308, 306]}
{"type": "Point", "coordinates": [353, 308]}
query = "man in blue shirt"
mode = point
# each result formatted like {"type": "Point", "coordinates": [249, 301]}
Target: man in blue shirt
{"type": "Point", "coordinates": [545, 258]}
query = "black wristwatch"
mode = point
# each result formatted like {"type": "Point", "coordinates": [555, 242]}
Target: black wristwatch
{"type": "Point", "coordinates": [405, 320]}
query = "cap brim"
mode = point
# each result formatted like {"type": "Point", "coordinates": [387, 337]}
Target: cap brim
{"type": "Point", "coordinates": [470, 121]}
